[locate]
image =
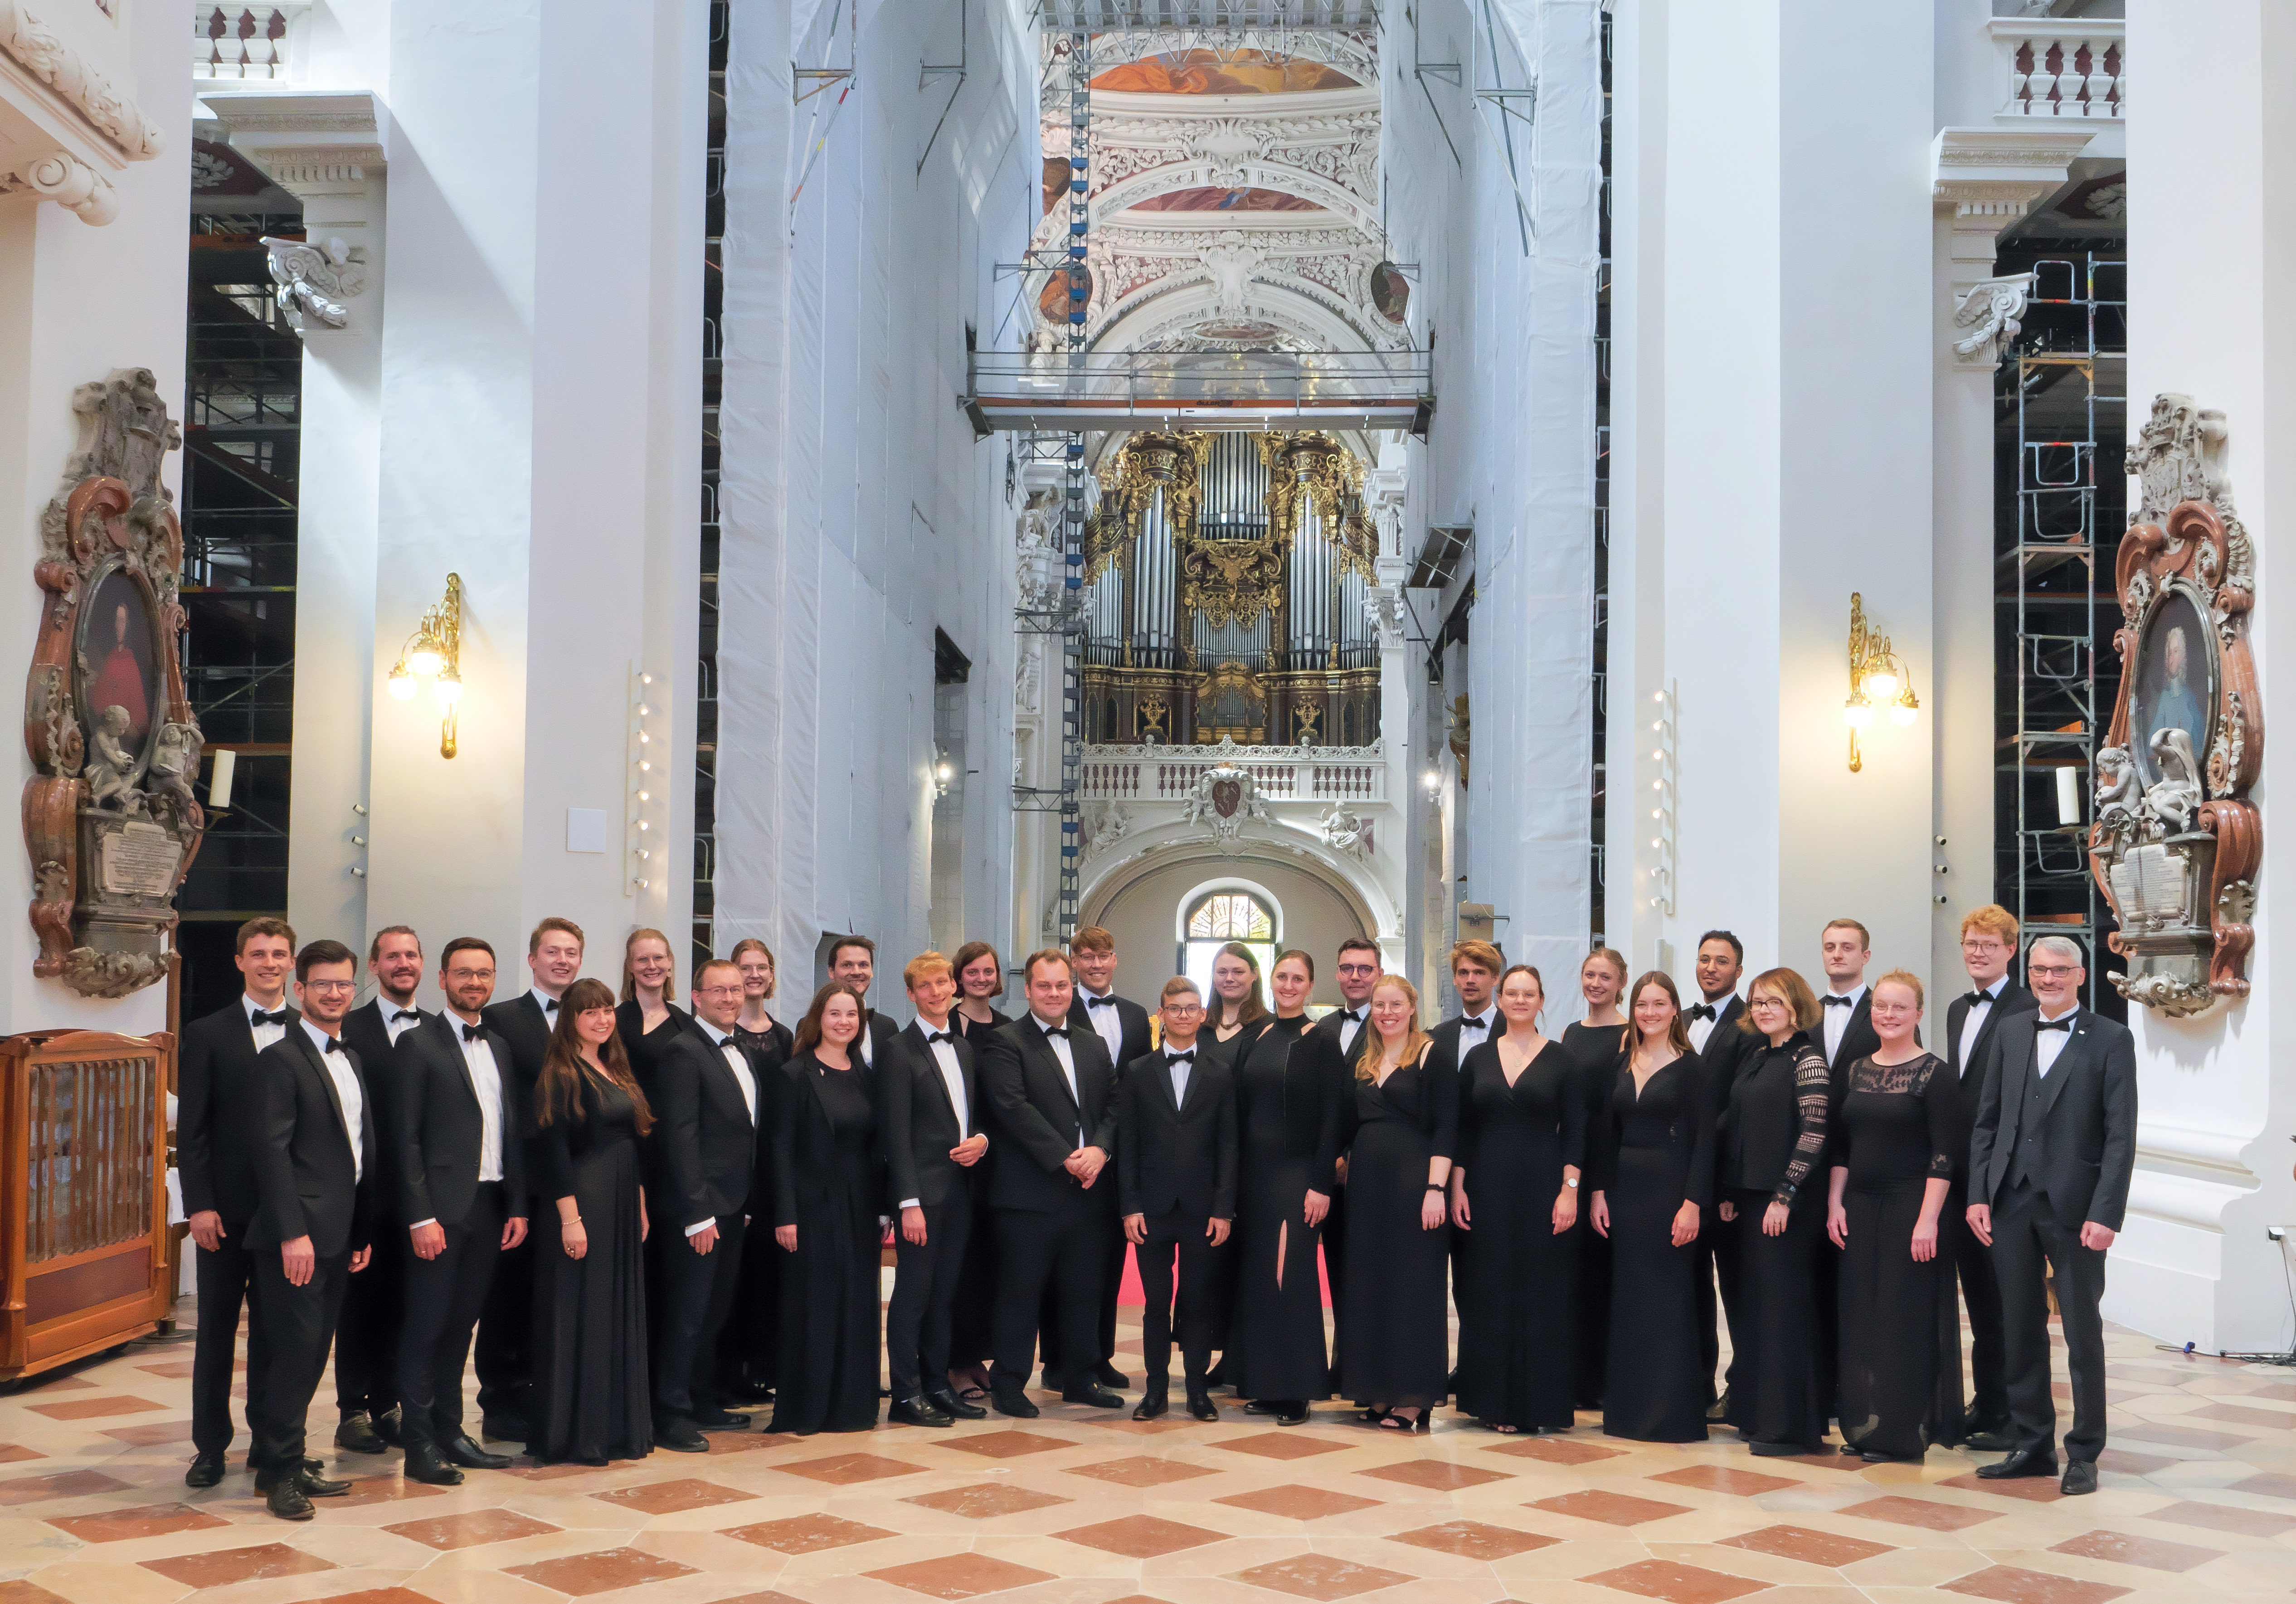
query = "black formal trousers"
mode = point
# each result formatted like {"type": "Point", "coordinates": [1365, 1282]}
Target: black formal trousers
{"type": "Point", "coordinates": [1066, 1251]}
{"type": "Point", "coordinates": [2028, 1241]}
{"type": "Point", "coordinates": [298, 1326]}
{"type": "Point", "coordinates": [1980, 1290]}
{"type": "Point", "coordinates": [504, 1352]}
{"type": "Point", "coordinates": [694, 1293]}
{"type": "Point", "coordinates": [443, 1298]}
{"type": "Point", "coordinates": [923, 1310]}
{"type": "Point", "coordinates": [366, 1337]}
{"type": "Point", "coordinates": [1199, 1317]}
{"type": "Point", "coordinates": [224, 1280]}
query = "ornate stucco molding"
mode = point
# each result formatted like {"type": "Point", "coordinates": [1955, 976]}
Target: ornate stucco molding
{"type": "Point", "coordinates": [1991, 307]}
{"type": "Point", "coordinates": [37, 48]}
{"type": "Point", "coordinates": [313, 281]}
{"type": "Point", "coordinates": [68, 181]}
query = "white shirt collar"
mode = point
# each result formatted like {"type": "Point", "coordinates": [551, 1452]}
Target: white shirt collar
{"type": "Point", "coordinates": [1483, 1020]}
{"type": "Point", "coordinates": [1048, 1027]}
{"type": "Point", "coordinates": [541, 999]}
{"type": "Point", "coordinates": [723, 1038]}
{"type": "Point", "coordinates": [319, 1039]}
{"type": "Point", "coordinates": [248, 1006]}
{"type": "Point", "coordinates": [2000, 984]}
{"type": "Point", "coordinates": [2051, 1019]}
{"type": "Point", "coordinates": [1854, 993]}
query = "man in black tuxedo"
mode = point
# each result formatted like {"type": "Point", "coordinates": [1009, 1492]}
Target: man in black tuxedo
{"type": "Point", "coordinates": [504, 1351]}
{"type": "Point", "coordinates": [1332, 1039]}
{"type": "Point", "coordinates": [1176, 1180]}
{"type": "Point", "coordinates": [366, 1340]}
{"type": "Point", "coordinates": [2049, 1164]}
{"type": "Point", "coordinates": [929, 1117]}
{"type": "Point", "coordinates": [1475, 967]}
{"type": "Point", "coordinates": [457, 1167]}
{"type": "Point", "coordinates": [317, 1169]}
{"type": "Point", "coordinates": [706, 1097]}
{"type": "Point", "coordinates": [1122, 1027]}
{"type": "Point", "coordinates": [1721, 1046]}
{"type": "Point", "coordinates": [1974, 1022]}
{"type": "Point", "coordinates": [852, 961]}
{"type": "Point", "coordinates": [1052, 1091]}
{"type": "Point", "coordinates": [218, 1106]}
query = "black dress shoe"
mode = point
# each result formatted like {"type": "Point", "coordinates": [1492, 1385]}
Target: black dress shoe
{"type": "Point", "coordinates": [1781, 1450]}
{"type": "Point", "coordinates": [1093, 1395]}
{"type": "Point", "coordinates": [1201, 1405]}
{"type": "Point", "coordinates": [720, 1419]}
{"type": "Point", "coordinates": [304, 1479]}
{"type": "Point", "coordinates": [919, 1410]}
{"type": "Point", "coordinates": [387, 1426]}
{"type": "Point", "coordinates": [679, 1436]}
{"type": "Point", "coordinates": [1719, 1410]}
{"type": "Point", "coordinates": [206, 1471]}
{"type": "Point", "coordinates": [468, 1454]}
{"type": "Point", "coordinates": [1012, 1401]}
{"type": "Point", "coordinates": [357, 1434]}
{"type": "Point", "coordinates": [1267, 1406]}
{"type": "Point", "coordinates": [1291, 1413]}
{"type": "Point", "coordinates": [287, 1501]}
{"type": "Point", "coordinates": [955, 1407]}
{"type": "Point", "coordinates": [1875, 1456]}
{"type": "Point", "coordinates": [2080, 1477]}
{"type": "Point", "coordinates": [1108, 1375]}
{"type": "Point", "coordinates": [1993, 1439]}
{"type": "Point", "coordinates": [505, 1428]}
{"type": "Point", "coordinates": [2024, 1462]}
{"type": "Point", "coordinates": [1152, 1403]}
{"type": "Point", "coordinates": [424, 1465]}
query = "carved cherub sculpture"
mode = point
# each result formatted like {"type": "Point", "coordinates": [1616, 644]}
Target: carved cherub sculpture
{"type": "Point", "coordinates": [2170, 801]}
{"type": "Point", "coordinates": [174, 757]}
{"type": "Point", "coordinates": [111, 770]}
{"type": "Point", "coordinates": [2116, 788]}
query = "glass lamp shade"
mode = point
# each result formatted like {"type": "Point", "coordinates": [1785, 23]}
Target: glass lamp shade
{"type": "Point", "coordinates": [401, 683]}
{"type": "Point", "coordinates": [1857, 712]}
{"type": "Point", "coordinates": [447, 688]}
{"type": "Point", "coordinates": [426, 659]}
{"type": "Point", "coordinates": [1881, 685]}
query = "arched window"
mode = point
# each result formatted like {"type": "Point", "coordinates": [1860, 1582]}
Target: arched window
{"type": "Point", "coordinates": [1219, 919]}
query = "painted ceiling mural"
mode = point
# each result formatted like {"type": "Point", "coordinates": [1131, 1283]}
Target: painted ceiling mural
{"type": "Point", "coordinates": [1209, 197]}
{"type": "Point", "coordinates": [1213, 72]}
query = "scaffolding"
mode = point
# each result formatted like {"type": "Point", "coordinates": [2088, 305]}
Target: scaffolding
{"type": "Point", "coordinates": [2062, 409]}
{"type": "Point", "coordinates": [703, 930]}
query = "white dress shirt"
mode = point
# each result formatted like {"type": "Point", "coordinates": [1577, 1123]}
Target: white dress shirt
{"type": "Point", "coordinates": [1067, 1055]}
{"type": "Point", "coordinates": [1475, 1029]}
{"type": "Point", "coordinates": [2048, 1043]}
{"type": "Point", "coordinates": [547, 1004]}
{"type": "Point", "coordinates": [1837, 1020]}
{"type": "Point", "coordinates": [1180, 1072]}
{"type": "Point", "coordinates": [748, 1082]}
{"type": "Point", "coordinates": [338, 1066]}
{"type": "Point", "coordinates": [1978, 1012]}
{"type": "Point", "coordinates": [486, 1080]}
{"type": "Point", "coordinates": [1105, 1023]}
{"type": "Point", "coordinates": [392, 1027]}
{"type": "Point", "coordinates": [953, 1078]}
{"type": "Point", "coordinates": [266, 1034]}
{"type": "Point", "coordinates": [1702, 1031]}
{"type": "Point", "coordinates": [1351, 1021]}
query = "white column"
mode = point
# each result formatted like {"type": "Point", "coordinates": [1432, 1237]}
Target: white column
{"type": "Point", "coordinates": [2209, 138]}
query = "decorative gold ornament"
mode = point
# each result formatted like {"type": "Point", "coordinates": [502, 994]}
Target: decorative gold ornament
{"type": "Point", "coordinates": [1877, 679]}
{"type": "Point", "coordinates": [434, 652]}
{"type": "Point", "coordinates": [1231, 704]}
{"type": "Point", "coordinates": [1316, 466]}
{"type": "Point", "coordinates": [1144, 464]}
{"type": "Point", "coordinates": [1230, 579]}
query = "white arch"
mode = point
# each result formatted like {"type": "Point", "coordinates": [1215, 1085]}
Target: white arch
{"type": "Point", "coordinates": [1377, 904]}
{"type": "Point", "coordinates": [1226, 882]}
{"type": "Point", "coordinates": [1248, 174]}
{"type": "Point", "coordinates": [1170, 307]}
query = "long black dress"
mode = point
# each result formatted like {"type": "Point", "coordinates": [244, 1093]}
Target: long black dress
{"type": "Point", "coordinates": [745, 1346]}
{"type": "Point", "coordinates": [1519, 1295]}
{"type": "Point", "coordinates": [972, 1318]}
{"type": "Point", "coordinates": [1653, 1152]}
{"type": "Point", "coordinates": [591, 1381]}
{"type": "Point", "coordinates": [1290, 1135]}
{"type": "Point", "coordinates": [829, 1183]}
{"type": "Point", "coordinates": [1771, 1137]}
{"type": "Point", "coordinates": [1399, 1341]}
{"type": "Point", "coordinates": [1598, 1053]}
{"type": "Point", "coordinates": [1896, 1135]}
{"type": "Point", "coordinates": [643, 1046]}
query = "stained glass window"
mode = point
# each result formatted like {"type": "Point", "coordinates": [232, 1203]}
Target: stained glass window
{"type": "Point", "coordinates": [1231, 916]}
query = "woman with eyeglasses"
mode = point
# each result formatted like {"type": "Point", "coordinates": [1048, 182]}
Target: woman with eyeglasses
{"type": "Point", "coordinates": [1597, 1045]}
{"type": "Point", "coordinates": [1891, 1165]}
{"type": "Point", "coordinates": [593, 1399]}
{"type": "Point", "coordinates": [1773, 1137]}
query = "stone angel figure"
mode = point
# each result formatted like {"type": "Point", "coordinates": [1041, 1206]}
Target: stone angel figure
{"type": "Point", "coordinates": [2116, 797]}
{"type": "Point", "coordinates": [2171, 800]}
{"type": "Point", "coordinates": [111, 768]}
{"type": "Point", "coordinates": [175, 759]}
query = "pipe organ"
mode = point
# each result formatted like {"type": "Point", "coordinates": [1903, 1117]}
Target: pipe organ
{"type": "Point", "coordinates": [1225, 583]}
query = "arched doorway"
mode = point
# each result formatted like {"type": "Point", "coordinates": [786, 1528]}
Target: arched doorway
{"type": "Point", "coordinates": [1148, 903]}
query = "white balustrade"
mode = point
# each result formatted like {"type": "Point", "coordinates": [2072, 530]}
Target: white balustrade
{"type": "Point", "coordinates": [256, 43]}
{"type": "Point", "coordinates": [1318, 776]}
{"type": "Point", "coordinates": [2073, 68]}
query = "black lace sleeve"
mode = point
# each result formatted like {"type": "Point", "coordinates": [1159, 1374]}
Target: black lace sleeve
{"type": "Point", "coordinates": [1938, 1095]}
{"type": "Point", "coordinates": [1812, 1093]}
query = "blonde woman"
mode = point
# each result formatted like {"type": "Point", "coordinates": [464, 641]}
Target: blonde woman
{"type": "Point", "coordinates": [647, 1019]}
{"type": "Point", "coordinates": [1406, 1117]}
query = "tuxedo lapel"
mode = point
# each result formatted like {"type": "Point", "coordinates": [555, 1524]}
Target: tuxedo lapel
{"type": "Point", "coordinates": [318, 1062]}
{"type": "Point", "coordinates": [929, 1065]}
{"type": "Point", "coordinates": [1033, 1037]}
{"type": "Point", "coordinates": [450, 1033]}
{"type": "Point", "coordinates": [2080, 1053]}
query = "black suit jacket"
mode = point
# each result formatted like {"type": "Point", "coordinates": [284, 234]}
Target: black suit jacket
{"type": "Point", "coordinates": [2085, 1128]}
{"type": "Point", "coordinates": [884, 1030]}
{"type": "Point", "coordinates": [1859, 1040]}
{"type": "Point", "coordinates": [1969, 1078]}
{"type": "Point", "coordinates": [1727, 1046]}
{"type": "Point", "coordinates": [435, 1126]}
{"type": "Point", "coordinates": [219, 1114]}
{"type": "Point", "coordinates": [704, 1143]}
{"type": "Point", "coordinates": [917, 1123]}
{"type": "Point", "coordinates": [521, 1022]}
{"type": "Point", "coordinates": [1446, 1037]}
{"type": "Point", "coordinates": [1176, 1156]}
{"type": "Point", "coordinates": [310, 1186]}
{"type": "Point", "coordinates": [1038, 1121]}
{"type": "Point", "coordinates": [366, 1033]}
{"type": "Point", "coordinates": [809, 1168]}
{"type": "Point", "coordinates": [1134, 1038]}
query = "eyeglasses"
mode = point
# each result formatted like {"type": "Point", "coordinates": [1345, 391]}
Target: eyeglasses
{"type": "Point", "coordinates": [1358, 970]}
{"type": "Point", "coordinates": [331, 985]}
{"type": "Point", "coordinates": [718, 991]}
{"type": "Point", "coordinates": [2053, 971]}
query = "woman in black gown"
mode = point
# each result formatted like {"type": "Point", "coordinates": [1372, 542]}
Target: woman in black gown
{"type": "Point", "coordinates": [1514, 1194]}
{"type": "Point", "coordinates": [980, 976]}
{"type": "Point", "coordinates": [592, 1387]}
{"type": "Point", "coordinates": [1654, 1173]}
{"type": "Point", "coordinates": [829, 1184]}
{"type": "Point", "coordinates": [1892, 1163]}
{"type": "Point", "coordinates": [1771, 1138]}
{"type": "Point", "coordinates": [767, 1038]}
{"type": "Point", "coordinates": [1406, 1127]}
{"type": "Point", "coordinates": [647, 1018]}
{"type": "Point", "coordinates": [1288, 1125]}
{"type": "Point", "coordinates": [745, 1345]}
{"type": "Point", "coordinates": [1598, 1047]}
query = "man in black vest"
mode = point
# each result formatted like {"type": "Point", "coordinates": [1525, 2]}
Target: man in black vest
{"type": "Point", "coordinates": [1972, 1041]}
{"type": "Point", "coordinates": [504, 1351]}
{"type": "Point", "coordinates": [706, 1097]}
{"type": "Point", "coordinates": [1712, 1022]}
{"type": "Point", "coordinates": [1122, 1027]}
{"type": "Point", "coordinates": [2051, 1156]}
{"type": "Point", "coordinates": [316, 1168]}
{"type": "Point", "coordinates": [218, 1106]}
{"type": "Point", "coordinates": [1177, 1178]}
{"type": "Point", "coordinates": [366, 1340]}
{"type": "Point", "coordinates": [1053, 1090]}
{"type": "Point", "coordinates": [930, 1118]}
{"type": "Point", "coordinates": [457, 1166]}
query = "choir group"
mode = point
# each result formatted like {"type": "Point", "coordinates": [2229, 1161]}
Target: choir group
{"type": "Point", "coordinates": [642, 1214]}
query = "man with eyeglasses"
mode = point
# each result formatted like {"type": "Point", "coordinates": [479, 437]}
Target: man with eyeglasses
{"type": "Point", "coordinates": [707, 1098]}
{"type": "Point", "coordinates": [1331, 1042]}
{"type": "Point", "coordinates": [2049, 1164]}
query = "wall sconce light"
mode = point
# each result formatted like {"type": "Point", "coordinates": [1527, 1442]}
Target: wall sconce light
{"type": "Point", "coordinates": [1434, 780]}
{"type": "Point", "coordinates": [1877, 679]}
{"type": "Point", "coordinates": [944, 772]}
{"type": "Point", "coordinates": [434, 652]}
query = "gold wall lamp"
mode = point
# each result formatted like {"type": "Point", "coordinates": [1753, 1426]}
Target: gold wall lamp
{"type": "Point", "coordinates": [434, 652]}
{"type": "Point", "coordinates": [1877, 679]}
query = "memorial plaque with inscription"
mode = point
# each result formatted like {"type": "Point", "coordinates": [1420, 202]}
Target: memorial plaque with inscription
{"type": "Point", "coordinates": [140, 859]}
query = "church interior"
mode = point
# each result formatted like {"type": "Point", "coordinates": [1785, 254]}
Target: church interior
{"type": "Point", "coordinates": [1577, 475]}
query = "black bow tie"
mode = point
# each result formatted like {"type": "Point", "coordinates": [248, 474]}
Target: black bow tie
{"type": "Point", "coordinates": [550, 1005]}
{"type": "Point", "coordinates": [1189, 1057]}
{"type": "Point", "coordinates": [1831, 1001]}
{"type": "Point", "coordinates": [257, 1017]}
{"type": "Point", "coordinates": [406, 1013]}
{"type": "Point", "coordinates": [333, 1045]}
{"type": "Point", "coordinates": [939, 1035]}
{"type": "Point", "coordinates": [2065, 1025]}
{"type": "Point", "coordinates": [1100, 1001]}
{"type": "Point", "coordinates": [1975, 997]}
{"type": "Point", "coordinates": [1699, 1011]}
{"type": "Point", "coordinates": [1474, 1024]}
{"type": "Point", "coordinates": [471, 1033]}
{"type": "Point", "coordinates": [1353, 1016]}
{"type": "Point", "coordinates": [1057, 1030]}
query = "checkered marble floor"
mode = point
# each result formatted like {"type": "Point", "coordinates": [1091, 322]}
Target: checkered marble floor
{"type": "Point", "coordinates": [1080, 1507]}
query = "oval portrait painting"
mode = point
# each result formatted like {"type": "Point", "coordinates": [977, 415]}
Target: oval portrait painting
{"type": "Point", "coordinates": [117, 666]}
{"type": "Point", "coordinates": [2172, 712]}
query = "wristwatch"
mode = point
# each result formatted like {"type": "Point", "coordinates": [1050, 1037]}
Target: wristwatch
{"type": "Point", "coordinates": [1570, 1180]}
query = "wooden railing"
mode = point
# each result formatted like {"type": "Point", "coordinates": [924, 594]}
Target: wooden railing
{"type": "Point", "coordinates": [84, 1234]}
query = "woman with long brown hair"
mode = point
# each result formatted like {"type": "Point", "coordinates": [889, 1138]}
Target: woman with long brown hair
{"type": "Point", "coordinates": [1653, 1177]}
{"type": "Point", "coordinates": [1597, 1045]}
{"type": "Point", "coordinates": [1395, 1350]}
{"type": "Point", "coordinates": [592, 1393]}
{"type": "Point", "coordinates": [649, 1016]}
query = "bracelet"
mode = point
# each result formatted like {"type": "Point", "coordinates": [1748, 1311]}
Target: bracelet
{"type": "Point", "coordinates": [576, 1220]}
{"type": "Point", "coordinates": [1435, 1186]}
